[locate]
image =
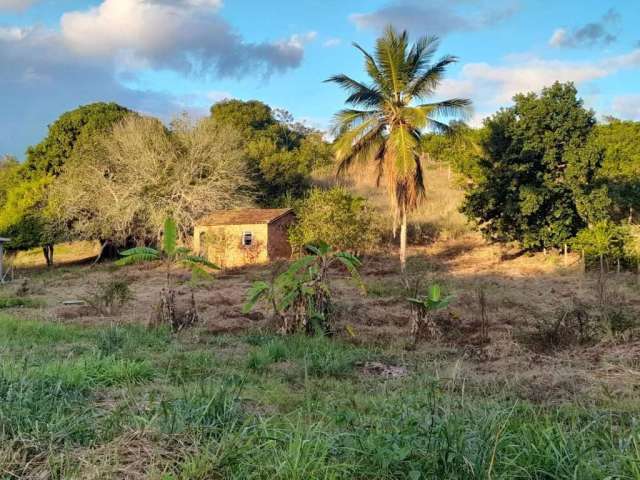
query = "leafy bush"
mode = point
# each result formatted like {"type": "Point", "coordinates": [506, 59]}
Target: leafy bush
{"type": "Point", "coordinates": [604, 240]}
{"type": "Point", "coordinates": [301, 295]}
{"type": "Point", "coordinates": [335, 215]}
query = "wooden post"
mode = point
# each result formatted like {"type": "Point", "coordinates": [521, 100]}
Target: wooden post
{"type": "Point", "coordinates": [1, 263]}
{"type": "Point", "coordinates": [566, 258]}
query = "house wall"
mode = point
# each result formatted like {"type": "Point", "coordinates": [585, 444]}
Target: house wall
{"type": "Point", "coordinates": [222, 244]}
{"type": "Point", "coordinates": [278, 246]}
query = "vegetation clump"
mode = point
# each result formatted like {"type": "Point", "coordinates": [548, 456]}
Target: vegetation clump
{"type": "Point", "coordinates": [171, 254]}
{"type": "Point", "coordinates": [301, 295]}
{"type": "Point", "coordinates": [349, 221]}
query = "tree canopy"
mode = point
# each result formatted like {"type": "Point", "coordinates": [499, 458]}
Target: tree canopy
{"type": "Point", "coordinates": [142, 172]}
{"type": "Point", "coordinates": [621, 165]}
{"type": "Point", "coordinates": [282, 154]}
{"type": "Point", "coordinates": [539, 184]}
{"type": "Point", "coordinates": [73, 128]}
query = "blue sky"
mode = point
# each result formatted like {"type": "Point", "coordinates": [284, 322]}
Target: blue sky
{"type": "Point", "coordinates": [165, 56]}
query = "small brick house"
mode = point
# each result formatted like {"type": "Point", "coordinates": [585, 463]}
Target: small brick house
{"type": "Point", "coordinates": [233, 238]}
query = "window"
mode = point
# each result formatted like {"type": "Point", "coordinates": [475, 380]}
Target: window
{"type": "Point", "coordinates": [247, 239]}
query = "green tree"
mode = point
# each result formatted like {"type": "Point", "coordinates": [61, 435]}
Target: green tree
{"type": "Point", "coordinates": [621, 165]}
{"type": "Point", "coordinates": [386, 122]}
{"type": "Point", "coordinates": [22, 208]}
{"type": "Point", "coordinates": [73, 128]}
{"type": "Point", "coordinates": [460, 149]}
{"type": "Point", "coordinates": [25, 215]}
{"type": "Point", "coordinates": [538, 186]}
{"type": "Point", "coordinates": [282, 154]}
{"type": "Point", "coordinates": [336, 215]}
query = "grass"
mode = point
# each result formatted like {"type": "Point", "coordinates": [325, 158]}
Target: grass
{"type": "Point", "coordinates": [13, 302]}
{"type": "Point", "coordinates": [124, 401]}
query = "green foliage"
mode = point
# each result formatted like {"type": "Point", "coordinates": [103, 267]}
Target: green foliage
{"type": "Point", "coordinates": [603, 240]}
{"type": "Point", "coordinates": [433, 300]}
{"type": "Point", "coordinates": [13, 302]}
{"type": "Point", "coordinates": [459, 147]}
{"type": "Point", "coordinates": [336, 214]}
{"type": "Point", "coordinates": [170, 253]}
{"type": "Point", "coordinates": [72, 130]}
{"type": "Point", "coordinates": [301, 295]}
{"type": "Point", "coordinates": [170, 237]}
{"type": "Point", "coordinates": [423, 306]}
{"type": "Point", "coordinates": [24, 215]}
{"type": "Point", "coordinates": [539, 176]}
{"type": "Point", "coordinates": [621, 165]}
{"type": "Point", "coordinates": [71, 410]}
{"type": "Point", "coordinates": [282, 154]}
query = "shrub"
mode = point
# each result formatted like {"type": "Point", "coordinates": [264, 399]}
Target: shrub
{"type": "Point", "coordinates": [301, 296]}
{"type": "Point", "coordinates": [335, 215]}
{"type": "Point", "coordinates": [602, 241]}
{"type": "Point", "coordinates": [108, 297]}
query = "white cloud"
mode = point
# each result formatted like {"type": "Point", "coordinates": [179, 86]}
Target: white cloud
{"type": "Point", "coordinates": [184, 35]}
{"type": "Point", "coordinates": [332, 42]}
{"type": "Point", "coordinates": [558, 38]}
{"type": "Point", "coordinates": [626, 107]}
{"type": "Point", "coordinates": [492, 86]}
{"type": "Point", "coordinates": [15, 5]}
{"type": "Point", "coordinates": [9, 34]}
{"type": "Point", "coordinates": [46, 72]}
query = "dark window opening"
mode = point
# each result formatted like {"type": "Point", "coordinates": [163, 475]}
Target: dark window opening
{"type": "Point", "coordinates": [247, 239]}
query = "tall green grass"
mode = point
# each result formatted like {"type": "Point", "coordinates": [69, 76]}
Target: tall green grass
{"type": "Point", "coordinates": [128, 399]}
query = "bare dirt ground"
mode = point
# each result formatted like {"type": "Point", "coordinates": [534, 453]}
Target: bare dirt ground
{"type": "Point", "coordinates": [522, 292]}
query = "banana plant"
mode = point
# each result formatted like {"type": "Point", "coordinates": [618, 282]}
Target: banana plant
{"type": "Point", "coordinates": [171, 255]}
{"type": "Point", "coordinates": [423, 307]}
{"type": "Point", "coordinates": [300, 296]}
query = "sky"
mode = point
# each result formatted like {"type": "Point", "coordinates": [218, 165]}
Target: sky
{"type": "Point", "coordinates": [163, 57]}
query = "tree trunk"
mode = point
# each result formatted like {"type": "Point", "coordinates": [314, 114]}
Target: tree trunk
{"type": "Point", "coordinates": [47, 250]}
{"type": "Point", "coordinates": [403, 241]}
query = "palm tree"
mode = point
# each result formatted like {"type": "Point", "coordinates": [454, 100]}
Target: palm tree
{"type": "Point", "coordinates": [385, 123]}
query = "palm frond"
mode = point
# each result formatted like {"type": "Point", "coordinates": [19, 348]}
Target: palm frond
{"type": "Point", "coordinates": [137, 258]}
{"type": "Point", "coordinates": [355, 148]}
{"type": "Point", "coordinates": [361, 94]}
{"type": "Point", "coordinates": [349, 118]}
{"type": "Point", "coordinates": [425, 84]}
{"type": "Point", "coordinates": [454, 107]}
{"type": "Point", "coordinates": [420, 54]}
{"type": "Point", "coordinates": [373, 70]}
{"type": "Point", "coordinates": [200, 261]}
{"type": "Point", "coordinates": [139, 251]}
{"type": "Point", "coordinates": [257, 291]}
{"type": "Point", "coordinates": [404, 150]}
{"type": "Point", "coordinates": [391, 54]}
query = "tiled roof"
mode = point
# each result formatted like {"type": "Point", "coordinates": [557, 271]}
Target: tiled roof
{"type": "Point", "coordinates": [245, 216]}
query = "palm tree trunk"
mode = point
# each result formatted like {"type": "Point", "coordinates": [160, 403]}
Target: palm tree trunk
{"type": "Point", "coordinates": [403, 241]}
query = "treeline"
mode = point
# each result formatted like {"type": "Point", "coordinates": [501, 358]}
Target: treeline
{"type": "Point", "coordinates": [105, 172]}
{"type": "Point", "coordinates": [544, 174]}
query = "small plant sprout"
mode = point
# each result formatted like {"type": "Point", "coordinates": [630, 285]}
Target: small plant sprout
{"type": "Point", "coordinates": [423, 307]}
{"type": "Point", "coordinates": [171, 255]}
